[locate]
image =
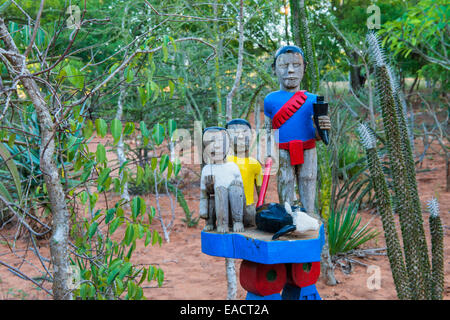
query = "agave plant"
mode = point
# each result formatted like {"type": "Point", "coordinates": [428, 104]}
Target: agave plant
{"type": "Point", "coordinates": [344, 233]}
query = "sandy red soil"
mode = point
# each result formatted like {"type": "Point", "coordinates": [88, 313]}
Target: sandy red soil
{"type": "Point", "coordinates": [190, 274]}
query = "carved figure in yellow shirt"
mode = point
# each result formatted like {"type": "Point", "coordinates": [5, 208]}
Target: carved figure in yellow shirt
{"type": "Point", "coordinates": [240, 134]}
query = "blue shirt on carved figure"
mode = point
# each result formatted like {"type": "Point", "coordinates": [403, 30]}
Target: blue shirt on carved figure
{"type": "Point", "coordinates": [300, 125]}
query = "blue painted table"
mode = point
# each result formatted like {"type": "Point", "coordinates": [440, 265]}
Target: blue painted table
{"type": "Point", "coordinates": [258, 247]}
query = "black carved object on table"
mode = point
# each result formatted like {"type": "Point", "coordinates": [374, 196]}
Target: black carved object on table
{"type": "Point", "coordinates": [272, 217]}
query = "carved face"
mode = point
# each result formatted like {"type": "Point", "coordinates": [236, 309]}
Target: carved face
{"type": "Point", "coordinates": [216, 144]}
{"type": "Point", "coordinates": [289, 69]}
{"type": "Point", "coordinates": [240, 136]}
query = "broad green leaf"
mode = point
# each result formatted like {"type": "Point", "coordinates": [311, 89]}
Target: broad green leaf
{"type": "Point", "coordinates": [92, 229]}
{"type": "Point", "coordinates": [164, 49]}
{"type": "Point", "coordinates": [125, 270]}
{"type": "Point", "coordinates": [158, 134]}
{"type": "Point", "coordinates": [130, 75]}
{"type": "Point", "coordinates": [113, 275]}
{"type": "Point", "coordinates": [114, 225]}
{"type": "Point", "coordinates": [74, 76]}
{"type": "Point", "coordinates": [172, 88]}
{"type": "Point", "coordinates": [131, 286]}
{"type": "Point", "coordinates": [169, 170]}
{"type": "Point", "coordinates": [137, 205]}
{"type": "Point", "coordinates": [171, 127]}
{"type": "Point", "coordinates": [104, 174]}
{"type": "Point", "coordinates": [176, 166]}
{"type": "Point", "coordinates": [153, 163]}
{"type": "Point", "coordinates": [129, 128]}
{"type": "Point", "coordinates": [110, 215]}
{"type": "Point", "coordinates": [142, 95]}
{"type": "Point", "coordinates": [160, 277]}
{"type": "Point", "coordinates": [88, 129]}
{"type": "Point", "coordinates": [139, 175]}
{"type": "Point", "coordinates": [151, 273]}
{"type": "Point", "coordinates": [148, 237]}
{"type": "Point", "coordinates": [163, 163]}
{"type": "Point", "coordinates": [139, 293]}
{"type": "Point", "coordinates": [101, 153]}
{"type": "Point", "coordinates": [114, 67]}
{"type": "Point", "coordinates": [144, 129]}
{"type": "Point", "coordinates": [129, 234]}
{"type": "Point", "coordinates": [143, 277]}
{"type": "Point", "coordinates": [101, 127]}
{"type": "Point", "coordinates": [116, 129]}
{"type": "Point", "coordinates": [155, 90]}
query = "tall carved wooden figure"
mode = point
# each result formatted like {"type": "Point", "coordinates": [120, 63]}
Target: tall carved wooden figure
{"type": "Point", "coordinates": [221, 187]}
{"type": "Point", "coordinates": [240, 134]}
{"type": "Point", "coordinates": [290, 110]}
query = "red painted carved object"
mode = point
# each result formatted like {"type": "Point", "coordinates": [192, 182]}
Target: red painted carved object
{"type": "Point", "coordinates": [262, 279]}
{"type": "Point", "coordinates": [303, 274]}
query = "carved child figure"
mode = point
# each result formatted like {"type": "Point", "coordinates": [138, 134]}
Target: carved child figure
{"type": "Point", "coordinates": [240, 134]}
{"type": "Point", "coordinates": [221, 187]}
{"type": "Point", "coordinates": [290, 110]}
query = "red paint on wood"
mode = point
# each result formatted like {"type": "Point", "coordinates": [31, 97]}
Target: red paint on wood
{"type": "Point", "coordinates": [262, 279]}
{"type": "Point", "coordinates": [265, 182]}
{"type": "Point", "coordinates": [301, 275]}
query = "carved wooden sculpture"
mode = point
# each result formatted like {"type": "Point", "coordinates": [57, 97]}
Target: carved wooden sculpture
{"type": "Point", "coordinates": [221, 187]}
{"type": "Point", "coordinates": [290, 110]}
{"type": "Point", "coordinates": [240, 134]}
{"type": "Point", "coordinates": [289, 266]}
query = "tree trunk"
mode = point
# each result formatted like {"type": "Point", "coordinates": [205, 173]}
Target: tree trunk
{"type": "Point", "coordinates": [120, 150]}
{"type": "Point", "coordinates": [302, 38]}
{"type": "Point", "coordinates": [231, 279]}
{"type": "Point", "coordinates": [356, 79]}
{"type": "Point", "coordinates": [59, 243]}
{"type": "Point", "coordinates": [229, 114]}
{"type": "Point", "coordinates": [326, 265]}
{"type": "Point", "coordinates": [229, 263]}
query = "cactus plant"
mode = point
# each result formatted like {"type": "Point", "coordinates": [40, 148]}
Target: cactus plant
{"type": "Point", "coordinates": [422, 282]}
{"type": "Point", "coordinates": [437, 250]}
{"type": "Point", "coordinates": [394, 251]}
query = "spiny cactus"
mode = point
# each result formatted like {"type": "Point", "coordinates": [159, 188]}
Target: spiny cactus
{"type": "Point", "coordinates": [394, 251]}
{"type": "Point", "coordinates": [403, 203]}
{"type": "Point", "coordinates": [437, 249]}
{"type": "Point", "coordinates": [407, 201]}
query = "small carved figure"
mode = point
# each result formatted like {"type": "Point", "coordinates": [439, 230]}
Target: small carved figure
{"type": "Point", "coordinates": [221, 187]}
{"type": "Point", "coordinates": [290, 110]}
{"type": "Point", "coordinates": [240, 134]}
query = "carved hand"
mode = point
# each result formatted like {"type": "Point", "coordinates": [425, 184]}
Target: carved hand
{"type": "Point", "coordinates": [324, 123]}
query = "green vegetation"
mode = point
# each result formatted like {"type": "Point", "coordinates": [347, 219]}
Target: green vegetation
{"type": "Point", "coordinates": [91, 96]}
{"type": "Point", "coordinates": [343, 232]}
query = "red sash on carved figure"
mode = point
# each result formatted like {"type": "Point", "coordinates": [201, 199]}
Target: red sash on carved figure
{"type": "Point", "coordinates": [295, 147]}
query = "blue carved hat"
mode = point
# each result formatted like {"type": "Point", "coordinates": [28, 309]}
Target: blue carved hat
{"type": "Point", "coordinates": [286, 49]}
{"type": "Point", "coordinates": [213, 128]}
{"type": "Point", "coordinates": [238, 121]}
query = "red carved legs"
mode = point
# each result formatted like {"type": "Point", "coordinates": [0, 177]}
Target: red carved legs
{"type": "Point", "coordinates": [268, 279]}
{"type": "Point", "coordinates": [303, 274]}
{"type": "Point", "coordinates": [262, 279]}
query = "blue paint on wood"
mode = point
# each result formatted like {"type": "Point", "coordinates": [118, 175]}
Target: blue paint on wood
{"type": "Point", "coordinates": [237, 246]}
{"type": "Point", "coordinates": [291, 292]}
{"type": "Point", "coordinates": [252, 296]}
